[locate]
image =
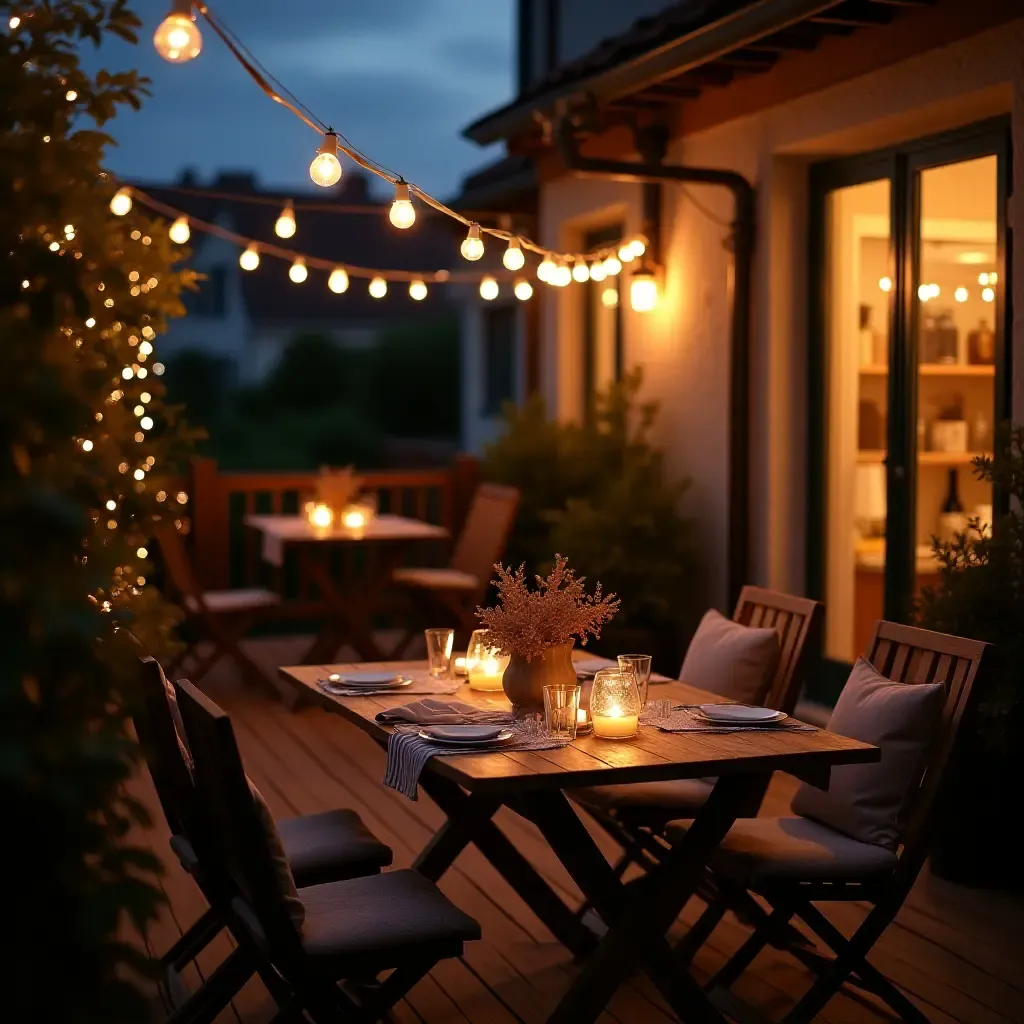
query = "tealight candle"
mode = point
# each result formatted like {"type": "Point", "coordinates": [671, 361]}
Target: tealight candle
{"type": "Point", "coordinates": [354, 518]}
{"type": "Point", "coordinates": [583, 725]}
{"type": "Point", "coordinates": [615, 724]}
{"type": "Point", "coordinates": [615, 705]}
{"type": "Point", "coordinates": [486, 673]}
{"type": "Point", "coordinates": [320, 516]}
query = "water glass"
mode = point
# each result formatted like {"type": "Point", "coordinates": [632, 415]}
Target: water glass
{"type": "Point", "coordinates": [439, 651]}
{"type": "Point", "coordinates": [561, 703]}
{"type": "Point", "coordinates": [640, 664]}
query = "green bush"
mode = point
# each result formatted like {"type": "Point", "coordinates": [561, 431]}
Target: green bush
{"type": "Point", "coordinates": [597, 493]}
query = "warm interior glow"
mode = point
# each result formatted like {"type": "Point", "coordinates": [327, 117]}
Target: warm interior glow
{"type": "Point", "coordinates": [354, 519]}
{"type": "Point", "coordinates": [626, 254]}
{"type": "Point", "coordinates": [643, 291]}
{"type": "Point", "coordinates": [472, 247]}
{"type": "Point", "coordinates": [639, 246]}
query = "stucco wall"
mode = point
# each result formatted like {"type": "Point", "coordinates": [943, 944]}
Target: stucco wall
{"type": "Point", "coordinates": [684, 343]}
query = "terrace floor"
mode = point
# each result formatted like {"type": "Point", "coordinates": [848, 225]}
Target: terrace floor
{"type": "Point", "coordinates": [957, 952]}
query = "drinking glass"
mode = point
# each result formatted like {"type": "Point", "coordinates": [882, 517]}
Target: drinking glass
{"type": "Point", "coordinates": [641, 666]}
{"type": "Point", "coordinates": [439, 651]}
{"type": "Point", "coordinates": [560, 706]}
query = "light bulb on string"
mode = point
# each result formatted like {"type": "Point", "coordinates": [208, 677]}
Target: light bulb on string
{"type": "Point", "coordinates": [639, 246]}
{"type": "Point", "coordinates": [523, 289]}
{"type": "Point", "coordinates": [643, 290]}
{"type": "Point", "coordinates": [597, 271]}
{"type": "Point", "coordinates": [179, 231]}
{"type": "Point", "coordinates": [561, 275]}
{"type": "Point", "coordinates": [378, 288]}
{"type": "Point", "coordinates": [488, 289]}
{"type": "Point", "coordinates": [612, 266]}
{"type": "Point", "coordinates": [580, 271]}
{"type": "Point", "coordinates": [545, 269]}
{"type": "Point", "coordinates": [325, 170]}
{"type": "Point", "coordinates": [626, 254]}
{"type": "Point", "coordinates": [121, 202]}
{"type": "Point", "coordinates": [513, 259]}
{"type": "Point", "coordinates": [402, 213]}
{"type": "Point", "coordinates": [284, 227]}
{"type": "Point", "coordinates": [610, 297]}
{"type": "Point", "coordinates": [417, 290]}
{"type": "Point", "coordinates": [177, 37]}
{"type": "Point", "coordinates": [472, 247]}
{"type": "Point", "coordinates": [338, 281]}
{"type": "Point", "coordinates": [297, 271]}
{"type": "Point", "coordinates": [250, 257]}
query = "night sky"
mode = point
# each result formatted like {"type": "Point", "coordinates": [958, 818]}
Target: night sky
{"type": "Point", "coordinates": [399, 78]}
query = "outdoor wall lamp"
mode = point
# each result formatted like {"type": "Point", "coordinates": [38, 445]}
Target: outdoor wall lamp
{"type": "Point", "coordinates": [643, 288]}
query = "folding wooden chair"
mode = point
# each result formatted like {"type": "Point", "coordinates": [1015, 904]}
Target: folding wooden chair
{"type": "Point", "coordinates": [221, 616]}
{"type": "Point", "coordinates": [455, 592]}
{"type": "Point", "coordinates": [636, 815]}
{"type": "Point", "coordinates": [352, 930]}
{"type": "Point", "coordinates": [907, 655]}
{"type": "Point", "coordinates": [320, 847]}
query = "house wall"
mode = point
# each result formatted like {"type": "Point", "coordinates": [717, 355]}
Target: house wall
{"type": "Point", "coordinates": [683, 344]}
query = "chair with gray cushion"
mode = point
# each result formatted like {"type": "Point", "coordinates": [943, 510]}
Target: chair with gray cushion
{"type": "Point", "coordinates": [864, 839]}
{"type": "Point", "coordinates": [322, 847]}
{"type": "Point", "coordinates": [346, 933]}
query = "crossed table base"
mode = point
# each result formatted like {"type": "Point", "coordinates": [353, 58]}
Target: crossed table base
{"type": "Point", "coordinates": [470, 789]}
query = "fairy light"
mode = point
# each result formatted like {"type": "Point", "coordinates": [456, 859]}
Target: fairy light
{"type": "Point", "coordinates": [612, 266]}
{"type": "Point", "coordinates": [284, 227]}
{"type": "Point", "coordinates": [338, 281]}
{"type": "Point", "coordinates": [513, 259]}
{"type": "Point", "coordinates": [626, 254]}
{"type": "Point", "coordinates": [402, 213]}
{"type": "Point", "coordinates": [597, 271]}
{"type": "Point", "coordinates": [146, 423]}
{"type": "Point", "coordinates": [488, 289]}
{"type": "Point", "coordinates": [145, 348]}
{"type": "Point", "coordinates": [111, 505]}
{"type": "Point", "coordinates": [885, 283]}
{"type": "Point", "coordinates": [523, 289]}
{"type": "Point", "coordinates": [960, 295]}
{"type": "Point", "coordinates": [417, 290]}
{"type": "Point", "coordinates": [250, 258]}
{"type": "Point", "coordinates": [988, 294]}
{"type": "Point", "coordinates": [378, 288]}
{"type": "Point", "coordinates": [14, 22]}
{"type": "Point", "coordinates": [71, 95]}
{"type": "Point", "coordinates": [561, 275]}
{"type": "Point", "coordinates": [638, 247]}
{"type": "Point", "coordinates": [145, 397]}
{"type": "Point", "coordinates": [580, 271]}
{"type": "Point", "coordinates": [121, 202]}
{"type": "Point", "coordinates": [297, 271]}
{"type": "Point", "coordinates": [179, 232]}
{"type": "Point", "coordinates": [983, 278]}
{"type": "Point", "coordinates": [177, 38]}
{"type": "Point", "coordinates": [545, 269]}
{"type": "Point", "coordinates": [142, 553]}
{"type": "Point", "coordinates": [139, 474]}
{"type": "Point", "coordinates": [325, 170]}
{"type": "Point", "coordinates": [472, 247]}
{"type": "Point", "coordinates": [610, 297]}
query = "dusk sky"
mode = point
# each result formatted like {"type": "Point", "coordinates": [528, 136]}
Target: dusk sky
{"type": "Point", "coordinates": [399, 78]}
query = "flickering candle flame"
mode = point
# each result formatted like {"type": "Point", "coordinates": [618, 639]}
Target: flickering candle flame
{"type": "Point", "coordinates": [321, 516]}
{"type": "Point", "coordinates": [354, 519]}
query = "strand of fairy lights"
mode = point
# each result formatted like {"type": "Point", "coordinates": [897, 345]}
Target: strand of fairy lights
{"type": "Point", "coordinates": [178, 39]}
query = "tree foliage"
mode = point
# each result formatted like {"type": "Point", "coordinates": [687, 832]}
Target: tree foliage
{"type": "Point", "coordinates": [87, 449]}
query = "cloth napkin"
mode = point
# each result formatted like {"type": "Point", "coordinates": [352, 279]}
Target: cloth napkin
{"type": "Point", "coordinates": [408, 754]}
{"type": "Point", "coordinates": [441, 712]}
{"type": "Point", "coordinates": [681, 720]}
{"type": "Point", "coordinates": [424, 685]}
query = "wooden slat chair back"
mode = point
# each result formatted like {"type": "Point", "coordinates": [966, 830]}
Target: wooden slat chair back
{"type": "Point", "coordinates": [177, 564]}
{"type": "Point", "coordinates": [485, 533]}
{"type": "Point", "coordinates": [797, 620]}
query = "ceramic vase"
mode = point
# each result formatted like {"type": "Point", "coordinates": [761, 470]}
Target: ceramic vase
{"type": "Point", "coordinates": [524, 681]}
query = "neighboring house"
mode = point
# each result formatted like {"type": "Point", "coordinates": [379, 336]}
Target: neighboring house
{"type": "Point", "coordinates": [834, 439]}
{"type": "Point", "coordinates": [246, 318]}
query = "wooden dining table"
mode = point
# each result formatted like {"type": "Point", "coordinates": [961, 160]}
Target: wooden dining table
{"type": "Point", "coordinates": [350, 604]}
{"type": "Point", "coordinates": [470, 788]}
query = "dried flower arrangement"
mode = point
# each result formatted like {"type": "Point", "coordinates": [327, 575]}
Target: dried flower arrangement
{"type": "Point", "coordinates": [527, 622]}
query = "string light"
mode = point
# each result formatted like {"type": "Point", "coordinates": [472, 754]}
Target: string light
{"type": "Point", "coordinates": [417, 290]}
{"type": "Point", "coordinates": [610, 297]}
{"type": "Point", "coordinates": [298, 272]}
{"type": "Point", "coordinates": [111, 505]}
{"type": "Point", "coordinates": [580, 272]}
{"type": "Point", "coordinates": [71, 95]}
{"type": "Point", "coordinates": [523, 289]}
{"type": "Point", "coordinates": [545, 269]}
{"type": "Point", "coordinates": [643, 290]}
{"type": "Point", "coordinates": [139, 475]}
{"type": "Point", "coordinates": [177, 38]}
{"type": "Point", "coordinates": [988, 294]}
{"type": "Point", "coordinates": [561, 275]}
{"type": "Point", "coordinates": [146, 423]}
{"type": "Point", "coordinates": [87, 445]}
{"type": "Point", "coordinates": [338, 281]}
{"type": "Point", "coordinates": [488, 289]}
{"type": "Point", "coordinates": [960, 295]}
{"type": "Point", "coordinates": [250, 258]}
{"type": "Point", "coordinates": [885, 283]}
{"type": "Point", "coordinates": [513, 259]}
{"type": "Point", "coordinates": [638, 246]}
{"type": "Point", "coordinates": [325, 170]}
{"type": "Point", "coordinates": [626, 254]}
{"type": "Point", "coordinates": [472, 247]}
{"type": "Point", "coordinates": [179, 232]}
{"type": "Point", "coordinates": [284, 227]}
{"type": "Point", "coordinates": [983, 278]}
{"type": "Point", "coordinates": [597, 271]}
{"type": "Point", "coordinates": [612, 266]}
{"type": "Point", "coordinates": [14, 22]}
{"type": "Point", "coordinates": [121, 202]}
{"type": "Point", "coordinates": [378, 288]}
{"type": "Point", "coordinates": [402, 213]}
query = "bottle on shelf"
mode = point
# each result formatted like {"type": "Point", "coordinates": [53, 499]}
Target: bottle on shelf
{"type": "Point", "coordinates": [981, 345]}
{"type": "Point", "coordinates": [952, 518]}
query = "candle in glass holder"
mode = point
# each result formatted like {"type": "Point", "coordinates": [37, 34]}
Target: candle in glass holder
{"type": "Point", "coordinates": [320, 516]}
{"type": "Point", "coordinates": [615, 704]}
{"type": "Point", "coordinates": [487, 672]}
{"type": "Point", "coordinates": [354, 517]}
{"type": "Point", "coordinates": [583, 724]}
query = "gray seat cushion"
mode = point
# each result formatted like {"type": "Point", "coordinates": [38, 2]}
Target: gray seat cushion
{"type": "Point", "coordinates": [794, 849]}
{"type": "Point", "coordinates": [381, 919]}
{"type": "Point", "coordinates": [643, 803]}
{"type": "Point", "coordinates": [331, 846]}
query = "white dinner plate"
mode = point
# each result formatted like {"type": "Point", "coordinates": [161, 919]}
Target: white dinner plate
{"type": "Point", "coordinates": [364, 678]}
{"type": "Point", "coordinates": [466, 735]}
{"type": "Point", "coordinates": [740, 714]}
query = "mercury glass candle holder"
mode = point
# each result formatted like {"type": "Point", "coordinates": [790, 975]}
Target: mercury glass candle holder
{"type": "Point", "coordinates": [615, 704]}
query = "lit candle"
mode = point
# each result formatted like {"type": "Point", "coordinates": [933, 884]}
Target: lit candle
{"type": "Point", "coordinates": [321, 516]}
{"type": "Point", "coordinates": [354, 519]}
{"type": "Point", "coordinates": [615, 725]}
{"type": "Point", "coordinates": [461, 668]}
{"type": "Point", "coordinates": [486, 674]}
{"type": "Point", "coordinates": [583, 725]}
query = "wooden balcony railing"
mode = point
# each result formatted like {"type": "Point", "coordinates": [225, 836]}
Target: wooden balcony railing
{"type": "Point", "coordinates": [224, 552]}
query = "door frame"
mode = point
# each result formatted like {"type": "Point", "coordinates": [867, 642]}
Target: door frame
{"type": "Point", "coordinates": [901, 165]}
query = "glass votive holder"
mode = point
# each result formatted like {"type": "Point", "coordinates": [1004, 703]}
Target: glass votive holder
{"type": "Point", "coordinates": [615, 704]}
{"type": "Point", "coordinates": [584, 727]}
{"type": "Point", "coordinates": [485, 665]}
{"type": "Point", "coordinates": [641, 666]}
{"type": "Point", "coordinates": [439, 651]}
{"type": "Point", "coordinates": [561, 707]}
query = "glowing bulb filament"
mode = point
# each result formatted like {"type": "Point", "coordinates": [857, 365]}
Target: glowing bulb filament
{"type": "Point", "coordinates": [177, 38]}
{"type": "Point", "coordinates": [402, 214]}
{"type": "Point", "coordinates": [472, 245]}
{"type": "Point", "coordinates": [325, 170]}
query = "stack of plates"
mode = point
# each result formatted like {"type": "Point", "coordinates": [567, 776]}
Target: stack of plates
{"type": "Point", "coordinates": [466, 735]}
{"type": "Point", "coordinates": [365, 681]}
{"type": "Point", "coordinates": [739, 714]}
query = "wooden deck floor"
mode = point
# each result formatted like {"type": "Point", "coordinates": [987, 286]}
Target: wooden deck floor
{"type": "Point", "coordinates": [958, 953]}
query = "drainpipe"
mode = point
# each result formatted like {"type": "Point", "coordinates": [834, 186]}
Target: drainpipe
{"type": "Point", "coordinates": [651, 172]}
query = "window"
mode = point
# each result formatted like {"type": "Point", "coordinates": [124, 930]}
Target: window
{"type": "Point", "coordinates": [602, 323]}
{"type": "Point", "coordinates": [499, 357]}
{"type": "Point", "coordinates": [209, 300]}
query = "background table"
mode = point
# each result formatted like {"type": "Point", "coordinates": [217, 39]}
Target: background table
{"type": "Point", "coordinates": [470, 788]}
{"type": "Point", "coordinates": [350, 604]}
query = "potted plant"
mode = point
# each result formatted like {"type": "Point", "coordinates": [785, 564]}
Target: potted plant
{"type": "Point", "coordinates": [538, 628]}
{"type": "Point", "coordinates": [980, 594]}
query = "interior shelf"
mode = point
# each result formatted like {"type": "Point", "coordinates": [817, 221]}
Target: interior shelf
{"type": "Point", "coordinates": [926, 458]}
{"type": "Point", "coordinates": [936, 370]}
